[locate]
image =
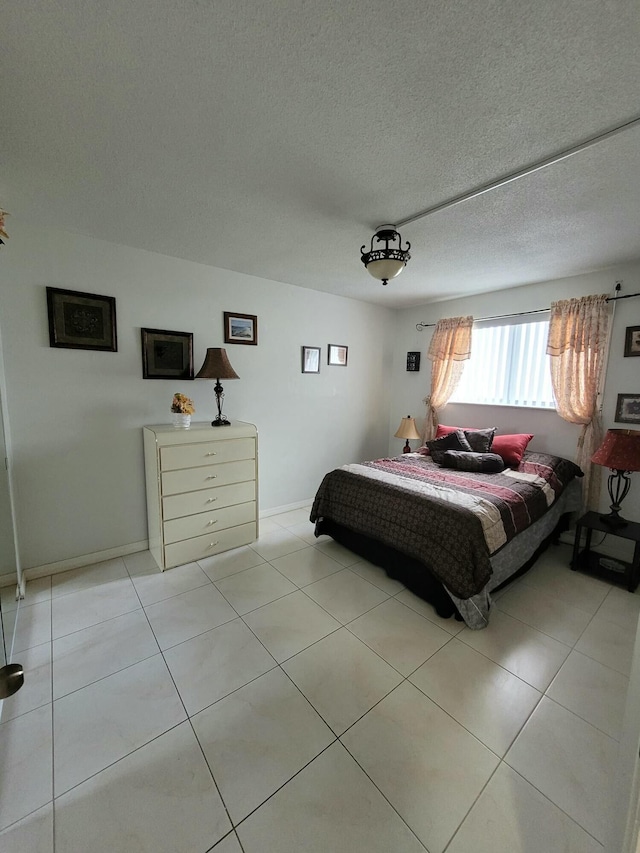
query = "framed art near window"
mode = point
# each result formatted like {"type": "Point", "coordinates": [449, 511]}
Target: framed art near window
{"type": "Point", "coordinates": [337, 355]}
{"type": "Point", "coordinates": [628, 409]}
{"type": "Point", "coordinates": [240, 328]}
{"type": "Point", "coordinates": [632, 341]}
{"type": "Point", "coordinates": [81, 320]}
{"type": "Point", "coordinates": [311, 359]}
{"type": "Point", "coordinates": [413, 362]}
{"type": "Point", "coordinates": [167, 355]}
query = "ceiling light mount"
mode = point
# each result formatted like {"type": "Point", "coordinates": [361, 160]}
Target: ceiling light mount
{"type": "Point", "coordinates": [389, 262]}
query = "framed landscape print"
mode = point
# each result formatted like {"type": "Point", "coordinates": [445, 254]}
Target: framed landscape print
{"type": "Point", "coordinates": [81, 320]}
{"type": "Point", "coordinates": [337, 355]}
{"type": "Point", "coordinates": [240, 328]}
{"type": "Point", "coordinates": [628, 409]}
{"type": "Point", "coordinates": [167, 355]}
{"type": "Point", "coordinates": [632, 341]}
{"type": "Point", "coordinates": [311, 359]}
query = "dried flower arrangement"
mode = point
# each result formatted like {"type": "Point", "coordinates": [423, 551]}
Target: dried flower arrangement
{"type": "Point", "coordinates": [182, 405]}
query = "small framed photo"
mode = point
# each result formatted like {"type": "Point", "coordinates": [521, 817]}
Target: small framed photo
{"type": "Point", "coordinates": [337, 355]}
{"type": "Point", "coordinates": [311, 359]}
{"type": "Point", "coordinates": [628, 409]}
{"type": "Point", "coordinates": [413, 362]}
{"type": "Point", "coordinates": [167, 355]}
{"type": "Point", "coordinates": [240, 328]}
{"type": "Point", "coordinates": [81, 320]}
{"type": "Point", "coordinates": [632, 341]}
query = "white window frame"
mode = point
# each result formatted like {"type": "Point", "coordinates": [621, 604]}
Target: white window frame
{"type": "Point", "coordinates": [513, 365]}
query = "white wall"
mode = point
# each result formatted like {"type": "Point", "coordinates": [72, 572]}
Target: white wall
{"type": "Point", "coordinates": [76, 416]}
{"type": "Point", "coordinates": [552, 434]}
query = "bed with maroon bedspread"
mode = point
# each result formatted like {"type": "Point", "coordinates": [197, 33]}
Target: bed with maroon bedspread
{"type": "Point", "coordinates": [449, 523]}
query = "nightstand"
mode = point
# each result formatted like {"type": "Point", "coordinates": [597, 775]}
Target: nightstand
{"type": "Point", "coordinates": [601, 565]}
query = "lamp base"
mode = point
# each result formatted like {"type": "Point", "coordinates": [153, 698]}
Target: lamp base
{"type": "Point", "coordinates": [220, 421]}
{"type": "Point", "coordinates": [613, 520]}
{"type": "Point", "coordinates": [407, 447]}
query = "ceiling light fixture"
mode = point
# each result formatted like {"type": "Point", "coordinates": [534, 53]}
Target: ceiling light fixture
{"type": "Point", "coordinates": [389, 262]}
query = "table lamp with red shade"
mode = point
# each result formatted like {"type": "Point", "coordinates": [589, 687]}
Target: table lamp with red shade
{"type": "Point", "coordinates": [620, 451]}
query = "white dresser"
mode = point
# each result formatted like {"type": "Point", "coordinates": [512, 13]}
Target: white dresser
{"type": "Point", "coordinates": [202, 490]}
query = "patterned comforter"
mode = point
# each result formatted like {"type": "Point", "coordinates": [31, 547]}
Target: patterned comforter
{"type": "Point", "coordinates": [451, 521]}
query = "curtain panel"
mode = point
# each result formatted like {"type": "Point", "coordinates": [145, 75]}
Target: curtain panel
{"type": "Point", "coordinates": [577, 343]}
{"type": "Point", "coordinates": [450, 347]}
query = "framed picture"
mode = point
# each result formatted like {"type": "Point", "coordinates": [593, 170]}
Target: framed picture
{"type": "Point", "coordinates": [337, 355]}
{"type": "Point", "coordinates": [413, 362]}
{"type": "Point", "coordinates": [311, 359]}
{"type": "Point", "coordinates": [632, 341]}
{"type": "Point", "coordinates": [628, 409]}
{"type": "Point", "coordinates": [167, 355]}
{"type": "Point", "coordinates": [81, 320]}
{"type": "Point", "coordinates": [240, 328]}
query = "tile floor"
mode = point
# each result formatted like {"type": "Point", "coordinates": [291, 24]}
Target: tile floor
{"type": "Point", "coordinates": [289, 697]}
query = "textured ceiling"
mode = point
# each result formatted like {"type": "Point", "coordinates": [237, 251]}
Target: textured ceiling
{"type": "Point", "coordinates": [273, 137]}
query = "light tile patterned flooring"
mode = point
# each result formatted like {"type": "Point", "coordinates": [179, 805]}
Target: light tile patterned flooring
{"type": "Point", "coordinates": [289, 697]}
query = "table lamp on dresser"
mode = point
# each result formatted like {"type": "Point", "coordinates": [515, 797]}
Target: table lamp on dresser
{"type": "Point", "coordinates": [217, 366]}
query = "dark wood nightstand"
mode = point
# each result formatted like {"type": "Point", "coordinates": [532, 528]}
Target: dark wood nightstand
{"type": "Point", "coordinates": [601, 565]}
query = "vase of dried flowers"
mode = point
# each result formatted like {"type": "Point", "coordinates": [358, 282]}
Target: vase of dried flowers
{"type": "Point", "coordinates": [181, 410]}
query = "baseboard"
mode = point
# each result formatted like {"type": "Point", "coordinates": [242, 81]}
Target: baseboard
{"type": "Point", "coordinates": [265, 513]}
{"type": "Point", "coordinates": [84, 560]}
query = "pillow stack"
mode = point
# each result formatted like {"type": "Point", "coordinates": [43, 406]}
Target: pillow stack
{"type": "Point", "coordinates": [458, 447]}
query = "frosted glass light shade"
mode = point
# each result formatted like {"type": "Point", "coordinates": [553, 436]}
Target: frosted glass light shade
{"type": "Point", "coordinates": [385, 269]}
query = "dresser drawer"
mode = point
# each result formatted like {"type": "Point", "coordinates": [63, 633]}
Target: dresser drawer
{"type": "Point", "coordinates": [207, 453]}
{"type": "Point", "coordinates": [208, 522]}
{"type": "Point", "coordinates": [207, 477]}
{"type": "Point", "coordinates": [206, 546]}
{"type": "Point", "coordinates": [176, 506]}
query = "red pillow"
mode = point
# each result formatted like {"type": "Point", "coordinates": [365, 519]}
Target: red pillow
{"type": "Point", "coordinates": [511, 447]}
{"type": "Point", "coordinates": [445, 430]}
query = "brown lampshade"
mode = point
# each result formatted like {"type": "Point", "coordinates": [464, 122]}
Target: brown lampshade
{"type": "Point", "coordinates": [407, 429]}
{"type": "Point", "coordinates": [620, 450]}
{"type": "Point", "coordinates": [216, 366]}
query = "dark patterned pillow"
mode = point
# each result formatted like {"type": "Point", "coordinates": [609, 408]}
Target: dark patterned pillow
{"type": "Point", "coordinates": [453, 441]}
{"type": "Point", "coordinates": [461, 460]}
{"type": "Point", "coordinates": [480, 439]}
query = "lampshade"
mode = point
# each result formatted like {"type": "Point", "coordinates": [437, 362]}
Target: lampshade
{"type": "Point", "coordinates": [389, 262]}
{"type": "Point", "coordinates": [407, 429]}
{"type": "Point", "coordinates": [620, 450]}
{"type": "Point", "coordinates": [216, 366]}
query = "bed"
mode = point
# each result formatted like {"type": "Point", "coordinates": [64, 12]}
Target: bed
{"type": "Point", "coordinates": [451, 536]}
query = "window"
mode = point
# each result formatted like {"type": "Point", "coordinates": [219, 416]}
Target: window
{"type": "Point", "coordinates": [509, 365]}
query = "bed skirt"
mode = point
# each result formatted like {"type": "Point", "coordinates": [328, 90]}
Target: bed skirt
{"type": "Point", "coordinates": [515, 558]}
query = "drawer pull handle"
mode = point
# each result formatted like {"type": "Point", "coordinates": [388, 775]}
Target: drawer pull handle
{"type": "Point", "coordinates": [211, 500]}
{"type": "Point", "coordinates": [212, 544]}
{"type": "Point", "coordinates": [212, 453]}
{"type": "Point", "coordinates": [213, 521]}
{"type": "Point", "coordinates": [212, 477]}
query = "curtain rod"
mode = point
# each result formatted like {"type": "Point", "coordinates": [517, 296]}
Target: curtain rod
{"type": "Point", "coordinates": [421, 326]}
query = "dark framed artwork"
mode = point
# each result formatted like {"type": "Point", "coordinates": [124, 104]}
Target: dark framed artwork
{"type": "Point", "coordinates": [628, 409]}
{"type": "Point", "coordinates": [81, 320]}
{"type": "Point", "coordinates": [632, 341]}
{"type": "Point", "coordinates": [240, 328]}
{"type": "Point", "coordinates": [311, 359]}
{"type": "Point", "coordinates": [167, 355]}
{"type": "Point", "coordinates": [413, 362]}
{"type": "Point", "coordinates": [337, 354]}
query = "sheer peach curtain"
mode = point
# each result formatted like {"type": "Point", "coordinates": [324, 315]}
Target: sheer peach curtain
{"type": "Point", "coordinates": [577, 344]}
{"type": "Point", "coordinates": [450, 347]}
